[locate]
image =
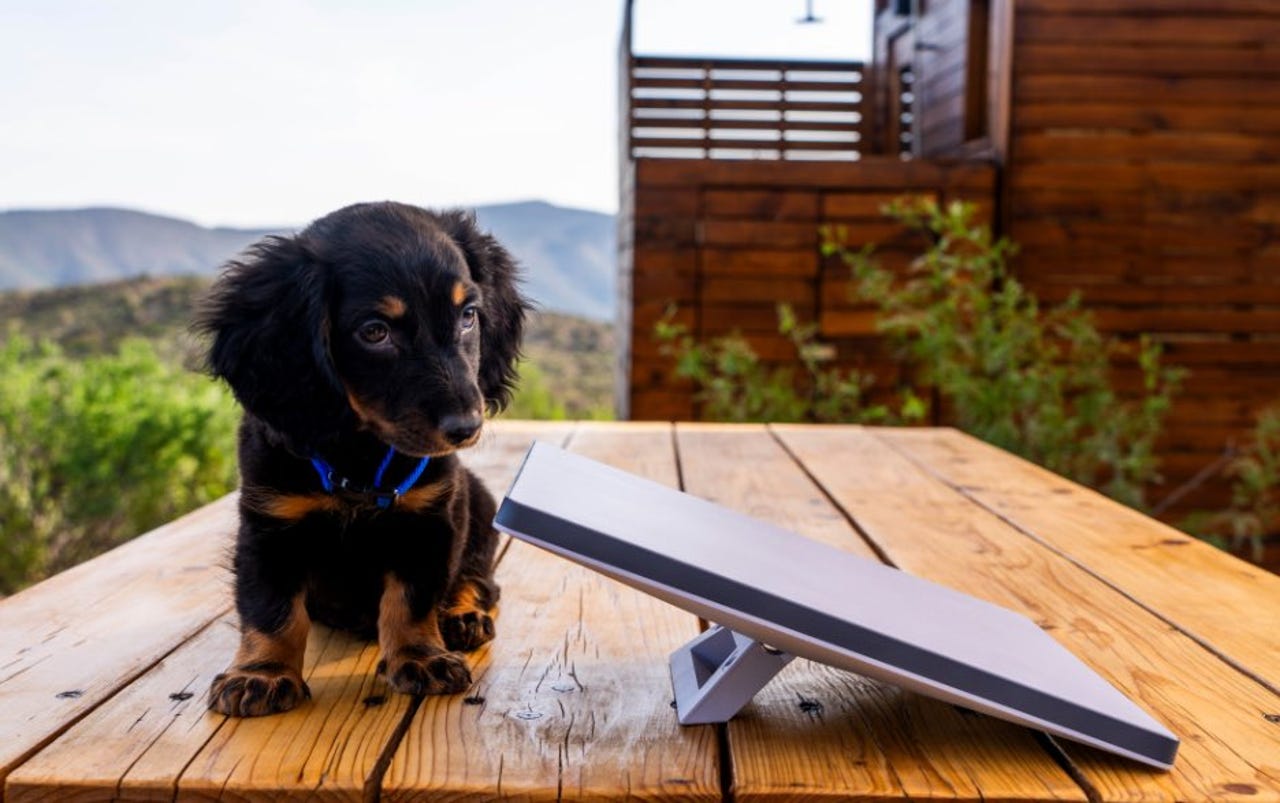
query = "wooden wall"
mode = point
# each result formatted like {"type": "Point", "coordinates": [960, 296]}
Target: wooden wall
{"type": "Point", "coordinates": [956, 51]}
{"type": "Point", "coordinates": [726, 241]}
{"type": "Point", "coordinates": [1142, 170]}
{"type": "Point", "coordinates": [1137, 145]}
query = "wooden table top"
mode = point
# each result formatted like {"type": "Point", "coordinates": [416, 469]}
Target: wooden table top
{"type": "Point", "coordinates": [104, 668]}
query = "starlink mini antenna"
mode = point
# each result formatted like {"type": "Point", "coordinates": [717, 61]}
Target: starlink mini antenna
{"type": "Point", "coordinates": [766, 586]}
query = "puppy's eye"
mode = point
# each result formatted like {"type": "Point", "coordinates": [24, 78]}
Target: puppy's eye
{"type": "Point", "coordinates": [373, 333]}
{"type": "Point", "coordinates": [467, 321]}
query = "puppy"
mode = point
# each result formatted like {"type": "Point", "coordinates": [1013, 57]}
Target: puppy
{"type": "Point", "coordinates": [365, 352]}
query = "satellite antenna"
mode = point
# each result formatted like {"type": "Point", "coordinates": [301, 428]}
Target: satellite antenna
{"type": "Point", "coordinates": [775, 594]}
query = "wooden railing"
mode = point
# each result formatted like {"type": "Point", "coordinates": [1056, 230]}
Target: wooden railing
{"type": "Point", "coordinates": [712, 108]}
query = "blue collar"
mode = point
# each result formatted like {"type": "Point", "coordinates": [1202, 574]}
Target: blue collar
{"type": "Point", "coordinates": [384, 499]}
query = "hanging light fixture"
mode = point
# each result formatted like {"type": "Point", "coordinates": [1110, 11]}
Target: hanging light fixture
{"type": "Point", "coordinates": [808, 18]}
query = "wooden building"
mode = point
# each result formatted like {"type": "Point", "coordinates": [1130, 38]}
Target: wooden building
{"type": "Point", "coordinates": [1128, 148]}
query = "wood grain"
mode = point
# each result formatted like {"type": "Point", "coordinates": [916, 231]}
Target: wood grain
{"type": "Point", "coordinates": [1230, 750]}
{"type": "Point", "coordinates": [576, 695]}
{"type": "Point", "coordinates": [132, 746]}
{"type": "Point", "coordinates": [333, 748]}
{"type": "Point", "coordinates": [70, 642]}
{"type": "Point", "coordinates": [816, 732]}
{"type": "Point", "coordinates": [137, 746]}
{"type": "Point", "coordinates": [1151, 562]}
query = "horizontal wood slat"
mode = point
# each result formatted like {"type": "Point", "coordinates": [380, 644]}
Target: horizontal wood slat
{"type": "Point", "coordinates": [798, 106]}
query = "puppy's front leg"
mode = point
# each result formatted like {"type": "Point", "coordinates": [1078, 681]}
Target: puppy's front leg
{"type": "Point", "coordinates": [266, 675]}
{"type": "Point", "coordinates": [414, 658]}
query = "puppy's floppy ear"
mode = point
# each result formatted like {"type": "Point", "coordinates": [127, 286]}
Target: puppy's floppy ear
{"type": "Point", "coordinates": [503, 311]}
{"type": "Point", "coordinates": [268, 314]}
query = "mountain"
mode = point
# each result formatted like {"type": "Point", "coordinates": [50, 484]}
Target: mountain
{"type": "Point", "coordinates": [567, 254]}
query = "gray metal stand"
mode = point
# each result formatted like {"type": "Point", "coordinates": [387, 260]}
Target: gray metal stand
{"type": "Point", "coordinates": [718, 672]}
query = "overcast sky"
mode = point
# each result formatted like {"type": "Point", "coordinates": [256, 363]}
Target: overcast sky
{"type": "Point", "coordinates": [258, 112]}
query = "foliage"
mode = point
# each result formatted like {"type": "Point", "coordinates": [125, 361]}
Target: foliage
{"type": "Point", "coordinates": [1255, 494]}
{"type": "Point", "coordinates": [104, 436]}
{"type": "Point", "coordinates": [734, 385]}
{"type": "Point", "coordinates": [1031, 379]}
{"type": "Point", "coordinates": [570, 361]}
{"type": "Point", "coordinates": [95, 451]}
{"type": "Point", "coordinates": [536, 398]}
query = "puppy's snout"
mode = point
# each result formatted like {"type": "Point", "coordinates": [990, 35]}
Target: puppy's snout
{"type": "Point", "coordinates": [459, 429]}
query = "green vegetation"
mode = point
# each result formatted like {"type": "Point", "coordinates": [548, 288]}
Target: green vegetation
{"type": "Point", "coordinates": [734, 385]}
{"type": "Point", "coordinates": [1254, 512]}
{"type": "Point", "coordinates": [96, 450]}
{"type": "Point", "coordinates": [1034, 380]}
{"type": "Point", "coordinates": [567, 371]}
{"type": "Point", "coordinates": [107, 432]}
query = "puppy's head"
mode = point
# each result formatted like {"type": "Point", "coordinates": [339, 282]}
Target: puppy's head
{"type": "Point", "coordinates": [383, 317]}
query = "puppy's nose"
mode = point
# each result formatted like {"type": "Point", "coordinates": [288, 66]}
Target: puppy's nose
{"type": "Point", "coordinates": [458, 428]}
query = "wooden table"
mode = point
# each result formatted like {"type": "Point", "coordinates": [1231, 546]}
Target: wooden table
{"type": "Point", "coordinates": [103, 669]}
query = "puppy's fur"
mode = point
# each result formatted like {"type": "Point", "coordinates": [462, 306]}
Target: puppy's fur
{"type": "Point", "coordinates": [379, 325]}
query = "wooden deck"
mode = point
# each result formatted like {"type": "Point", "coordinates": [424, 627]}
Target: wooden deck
{"type": "Point", "coordinates": [103, 669]}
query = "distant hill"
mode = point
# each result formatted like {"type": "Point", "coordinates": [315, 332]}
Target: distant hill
{"type": "Point", "coordinates": [572, 357]}
{"type": "Point", "coordinates": [567, 254]}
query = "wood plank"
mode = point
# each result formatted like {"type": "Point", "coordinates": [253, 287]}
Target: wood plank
{"type": "Point", "coordinates": [1229, 748]}
{"type": "Point", "coordinates": [575, 704]}
{"type": "Point", "coordinates": [1144, 90]}
{"type": "Point", "coordinates": [776, 234]}
{"type": "Point", "coordinates": [1151, 562]}
{"type": "Point", "coordinates": [1212, 8]}
{"type": "Point", "coordinates": [760, 204]}
{"type": "Point", "coordinates": [771, 291]}
{"type": "Point", "coordinates": [861, 205]}
{"type": "Point", "coordinates": [72, 641]}
{"type": "Point", "coordinates": [714, 140]}
{"type": "Point", "coordinates": [872, 173]}
{"type": "Point", "coordinates": [1192, 319]}
{"type": "Point", "coordinates": [329, 748]}
{"type": "Point", "coordinates": [713, 104]}
{"type": "Point", "coordinates": [816, 731]}
{"type": "Point", "coordinates": [1085, 146]}
{"type": "Point", "coordinates": [738, 84]}
{"type": "Point", "coordinates": [1154, 114]}
{"type": "Point", "coordinates": [1141, 30]}
{"type": "Point", "coordinates": [800, 261]}
{"type": "Point", "coordinates": [1157, 60]}
{"type": "Point", "coordinates": [718, 62]}
{"type": "Point", "coordinates": [765, 123]}
{"type": "Point", "coordinates": [326, 749]}
{"type": "Point", "coordinates": [133, 746]}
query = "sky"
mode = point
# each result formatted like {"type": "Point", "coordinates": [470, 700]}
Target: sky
{"type": "Point", "coordinates": [274, 112]}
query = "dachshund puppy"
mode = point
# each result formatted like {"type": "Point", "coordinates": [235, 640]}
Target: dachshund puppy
{"type": "Point", "coordinates": [365, 352]}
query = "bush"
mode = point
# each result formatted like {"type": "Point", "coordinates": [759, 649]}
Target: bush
{"type": "Point", "coordinates": [734, 385]}
{"type": "Point", "coordinates": [1255, 494]}
{"type": "Point", "coordinates": [1031, 379]}
{"type": "Point", "coordinates": [96, 451]}
{"type": "Point", "coordinates": [536, 398]}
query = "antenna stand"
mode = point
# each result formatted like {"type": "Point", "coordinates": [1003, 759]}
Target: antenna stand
{"type": "Point", "coordinates": [717, 673]}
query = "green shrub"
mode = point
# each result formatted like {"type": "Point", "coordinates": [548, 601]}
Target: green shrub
{"type": "Point", "coordinates": [535, 398]}
{"type": "Point", "coordinates": [98, 450]}
{"type": "Point", "coordinates": [1255, 494]}
{"type": "Point", "coordinates": [734, 385]}
{"type": "Point", "coordinates": [1032, 379]}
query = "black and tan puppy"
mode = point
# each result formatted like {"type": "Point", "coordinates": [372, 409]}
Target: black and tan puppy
{"type": "Point", "coordinates": [365, 352]}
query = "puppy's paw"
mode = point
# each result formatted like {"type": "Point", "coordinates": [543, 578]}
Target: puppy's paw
{"type": "Point", "coordinates": [257, 690]}
{"type": "Point", "coordinates": [422, 669]}
{"type": "Point", "coordinates": [466, 629]}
